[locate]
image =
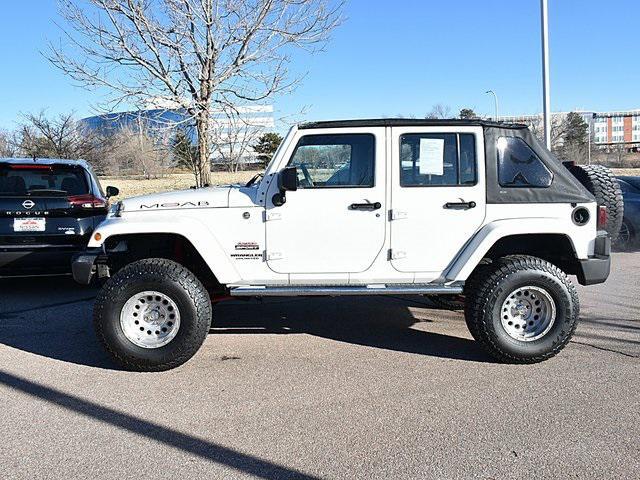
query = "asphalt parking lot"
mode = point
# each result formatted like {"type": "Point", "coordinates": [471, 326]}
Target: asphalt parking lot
{"type": "Point", "coordinates": [319, 388]}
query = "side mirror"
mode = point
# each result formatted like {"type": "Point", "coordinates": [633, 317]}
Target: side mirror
{"type": "Point", "coordinates": [288, 180]}
{"type": "Point", "coordinates": [112, 192]}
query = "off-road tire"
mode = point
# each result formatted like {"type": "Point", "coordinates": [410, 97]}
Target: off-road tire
{"type": "Point", "coordinates": [473, 284]}
{"type": "Point", "coordinates": [600, 181]}
{"type": "Point", "coordinates": [488, 292]}
{"type": "Point", "coordinates": [161, 275]}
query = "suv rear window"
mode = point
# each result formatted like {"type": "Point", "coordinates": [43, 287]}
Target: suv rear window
{"type": "Point", "coordinates": [19, 179]}
{"type": "Point", "coordinates": [519, 166]}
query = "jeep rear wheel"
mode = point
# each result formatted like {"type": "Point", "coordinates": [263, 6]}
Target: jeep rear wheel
{"type": "Point", "coordinates": [525, 310]}
{"type": "Point", "coordinates": [152, 315]}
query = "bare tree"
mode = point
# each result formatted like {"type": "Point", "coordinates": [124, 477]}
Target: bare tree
{"type": "Point", "coordinates": [8, 146]}
{"type": "Point", "coordinates": [57, 137]}
{"type": "Point", "coordinates": [139, 152]}
{"type": "Point", "coordinates": [439, 111]}
{"type": "Point", "coordinates": [189, 54]}
{"type": "Point", "coordinates": [618, 155]}
{"type": "Point", "coordinates": [558, 130]}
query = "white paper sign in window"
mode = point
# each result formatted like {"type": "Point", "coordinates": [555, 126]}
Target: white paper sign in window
{"type": "Point", "coordinates": [431, 161]}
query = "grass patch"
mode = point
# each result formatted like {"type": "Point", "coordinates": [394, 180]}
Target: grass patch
{"type": "Point", "coordinates": [134, 186]}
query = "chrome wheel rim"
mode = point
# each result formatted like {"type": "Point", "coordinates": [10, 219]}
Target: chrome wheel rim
{"type": "Point", "coordinates": [528, 313]}
{"type": "Point", "coordinates": [150, 319]}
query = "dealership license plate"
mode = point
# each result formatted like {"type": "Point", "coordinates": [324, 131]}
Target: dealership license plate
{"type": "Point", "coordinates": [29, 224]}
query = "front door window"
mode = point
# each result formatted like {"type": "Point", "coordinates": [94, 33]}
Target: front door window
{"type": "Point", "coordinates": [334, 161]}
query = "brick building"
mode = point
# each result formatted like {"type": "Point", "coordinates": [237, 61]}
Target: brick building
{"type": "Point", "coordinates": [608, 129]}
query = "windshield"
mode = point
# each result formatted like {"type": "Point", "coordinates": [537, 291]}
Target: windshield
{"type": "Point", "coordinates": [25, 180]}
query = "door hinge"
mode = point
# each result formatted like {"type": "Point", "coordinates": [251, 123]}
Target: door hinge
{"type": "Point", "coordinates": [399, 214]}
{"type": "Point", "coordinates": [397, 254]}
{"type": "Point", "coordinates": [273, 216]}
{"type": "Point", "coordinates": [274, 255]}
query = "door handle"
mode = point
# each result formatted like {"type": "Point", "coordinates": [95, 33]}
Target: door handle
{"type": "Point", "coordinates": [365, 206]}
{"type": "Point", "coordinates": [460, 205]}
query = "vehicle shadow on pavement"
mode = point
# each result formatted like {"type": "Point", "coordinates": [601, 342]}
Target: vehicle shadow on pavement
{"type": "Point", "coordinates": [50, 317]}
{"type": "Point", "coordinates": [202, 448]}
{"type": "Point", "coordinates": [380, 322]}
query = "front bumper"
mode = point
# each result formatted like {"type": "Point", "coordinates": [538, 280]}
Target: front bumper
{"type": "Point", "coordinates": [84, 265]}
{"type": "Point", "coordinates": [596, 269]}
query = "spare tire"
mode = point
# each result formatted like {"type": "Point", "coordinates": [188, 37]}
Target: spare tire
{"type": "Point", "coordinates": [603, 185]}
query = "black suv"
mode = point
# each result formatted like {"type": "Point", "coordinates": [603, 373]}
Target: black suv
{"type": "Point", "coordinates": [48, 210]}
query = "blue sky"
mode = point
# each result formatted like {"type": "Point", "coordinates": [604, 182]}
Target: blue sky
{"type": "Point", "coordinates": [394, 58]}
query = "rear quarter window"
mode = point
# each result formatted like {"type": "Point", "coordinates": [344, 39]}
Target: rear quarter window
{"type": "Point", "coordinates": [519, 166]}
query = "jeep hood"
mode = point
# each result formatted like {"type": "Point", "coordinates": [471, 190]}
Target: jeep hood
{"type": "Point", "coordinates": [208, 197]}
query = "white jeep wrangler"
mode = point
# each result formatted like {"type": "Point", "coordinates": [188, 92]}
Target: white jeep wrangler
{"type": "Point", "coordinates": [474, 210]}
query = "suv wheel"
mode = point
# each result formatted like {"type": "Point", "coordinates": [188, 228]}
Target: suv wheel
{"type": "Point", "coordinates": [524, 310]}
{"type": "Point", "coordinates": [152, 315]}
{"type": "Point", "coordinates": [626, 238]}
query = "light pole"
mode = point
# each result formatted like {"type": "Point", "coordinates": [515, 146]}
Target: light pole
{"type": "Point", "coordinates": [546, 112]}
{"type": "Point", "coordinates": [591, 117]}
{"type": "Point", "coordinates": [589, 144]}
{"type": "Point", "coordinates": [495, 101]}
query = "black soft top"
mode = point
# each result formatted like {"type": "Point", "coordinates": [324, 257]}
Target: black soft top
{"type": "Point", "coordinates": [411, 122]}
{"type": "Point", "coordinates": [564, 188]}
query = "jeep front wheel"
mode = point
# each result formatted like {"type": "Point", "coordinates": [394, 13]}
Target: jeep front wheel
{"type": "Point", "coordinates": [152, 315]}
{"type": "Point", "coordinates": [525, 310]}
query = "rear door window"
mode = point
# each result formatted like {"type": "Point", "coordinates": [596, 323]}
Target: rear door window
{"type": "Point", "coordinates": [42, 180]}
{"type": "Point", "coordinates": [519, 166]}
{"type": "Point", "coordinates": [437, 159]}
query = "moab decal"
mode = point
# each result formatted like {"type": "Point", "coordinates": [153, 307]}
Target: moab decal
{"type": "Point", "coordinates": [199, 204]}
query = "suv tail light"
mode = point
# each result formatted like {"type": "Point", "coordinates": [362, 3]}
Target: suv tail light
{"type": "Point", "coordinates": [87, 201]}
{"type": "Point", "coordinates": [30, 167]}
{"type": "Point", "coordinates": [603, 217]}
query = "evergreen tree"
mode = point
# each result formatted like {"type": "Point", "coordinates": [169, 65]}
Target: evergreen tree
{"type": "Point", "coordinates": [575, 138]}
{"type": "Point", "coordinates": [184, 150]}
{"type": "Point", "coordinates": [267, 145]}
{"type": "Point", "coordinates": [577, 130]}
{"type": "Point", "coordinates": [467, 114]}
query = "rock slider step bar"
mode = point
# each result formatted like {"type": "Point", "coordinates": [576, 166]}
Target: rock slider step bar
{"type": "Point", "coordinates": [331, 290]}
